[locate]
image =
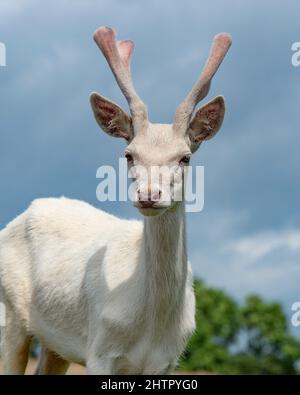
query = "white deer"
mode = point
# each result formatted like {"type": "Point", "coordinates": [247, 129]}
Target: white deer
{"type": "Point", "coordinates": [114, 295]}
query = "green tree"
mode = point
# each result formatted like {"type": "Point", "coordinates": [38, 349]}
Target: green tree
{"type": "Point", "coordinates": [268, 347]}
{"type": "Point", "coordinates": [217, 324]}
{"type": "Point", "coordinates": [250, 339]}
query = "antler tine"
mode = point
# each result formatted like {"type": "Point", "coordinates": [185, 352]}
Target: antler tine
{"type": "Point", "coordinates": [118, 54]}
{"type": "Point", "coordinates": [220, 46]}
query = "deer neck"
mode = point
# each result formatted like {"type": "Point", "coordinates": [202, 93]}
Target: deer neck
{"type": "Point", "coordinates": [165, 256]}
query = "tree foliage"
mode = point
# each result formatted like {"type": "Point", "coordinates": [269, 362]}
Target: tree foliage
{"type": "Point", "coordinates": [251, 339]}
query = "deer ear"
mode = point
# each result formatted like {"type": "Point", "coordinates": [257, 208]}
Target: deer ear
{"type": "Point", "coordinates": [111, 118]}
{"type": "Point", "coordinates": [207, 121]}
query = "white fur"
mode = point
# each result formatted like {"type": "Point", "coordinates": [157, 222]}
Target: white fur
{"type": "Point", "coordinates": [113, 294]}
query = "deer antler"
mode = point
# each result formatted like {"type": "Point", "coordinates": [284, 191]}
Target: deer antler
{"type": "Point", "coordinates": [118, 54]}
{"type": "Point", "coordinates": [220, 46]}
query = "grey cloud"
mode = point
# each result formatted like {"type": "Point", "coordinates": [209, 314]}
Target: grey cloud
{"type": "Point", "coordinates": [51, 146]}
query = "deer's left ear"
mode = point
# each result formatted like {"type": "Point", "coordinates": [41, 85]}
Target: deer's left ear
{"type": "Point", "coordinates": [207, 121]}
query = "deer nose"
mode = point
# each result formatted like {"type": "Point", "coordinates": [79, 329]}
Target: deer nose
{"type": "Point", "coordinates": [149, 197]}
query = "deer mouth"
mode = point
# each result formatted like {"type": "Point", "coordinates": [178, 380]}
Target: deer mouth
{"type": "Point", "coordinates": [150, 211]}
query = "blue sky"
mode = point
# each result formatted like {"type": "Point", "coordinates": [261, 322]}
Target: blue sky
{"type": "Point", "coordinates": [247, 238]}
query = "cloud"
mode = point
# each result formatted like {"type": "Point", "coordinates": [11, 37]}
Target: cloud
{"type": "Point", "coordinates": [266, 263]}
{"type": "Point", "coordinates": [43, 70]}
{"type": "Point", "coordinates": [8, 8]}
{"type": "Point", "coordinates": [246, 239]}
{"type": "Point", "coordinates": [253, 248]}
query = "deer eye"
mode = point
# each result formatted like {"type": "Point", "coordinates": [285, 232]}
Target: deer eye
{"type": "Point", "coordinates": [129, 157]}
{"type": "Point", "coordinates": [185, 160]}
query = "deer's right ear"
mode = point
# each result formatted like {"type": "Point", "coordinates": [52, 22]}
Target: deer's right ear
{"type": "Point", "coordinates": [111, 118]}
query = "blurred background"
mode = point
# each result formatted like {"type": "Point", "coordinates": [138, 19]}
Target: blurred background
{"type": "Point", "coordinates": [244, 246]}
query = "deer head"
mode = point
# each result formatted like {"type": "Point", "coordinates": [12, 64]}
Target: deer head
{"type": "Point", "coordinates": [165, 148]}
